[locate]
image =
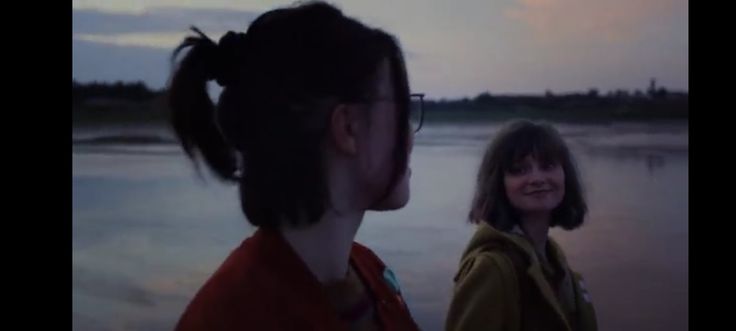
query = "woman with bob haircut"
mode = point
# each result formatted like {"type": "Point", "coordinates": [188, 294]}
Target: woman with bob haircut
{"type": "Point", "coordinates": [512, 275]}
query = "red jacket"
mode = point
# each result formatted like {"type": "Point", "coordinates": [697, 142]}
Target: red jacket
{"type": "Point", "coordinates": [264, 285]}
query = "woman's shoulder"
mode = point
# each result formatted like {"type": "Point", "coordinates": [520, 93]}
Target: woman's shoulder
{"type": "Point", "coordinates": [370, 266]}
{"type": "Point", "coordinates": [488, 264]}
{"type": "Point", "coordinates": [235, 287]}
{"type": "Point", "coordinates": [364, 253]}
{"type": "Point", "coordinates": [485, 293]}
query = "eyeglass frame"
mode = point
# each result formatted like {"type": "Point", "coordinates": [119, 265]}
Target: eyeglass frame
{"type": "Point", "coordinates": [421, 107]}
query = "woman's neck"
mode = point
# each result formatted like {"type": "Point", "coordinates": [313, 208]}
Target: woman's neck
{"type": "Point", "coordinates": [536, 228]}
{"type": "Point", "coordinates": [325, 246]}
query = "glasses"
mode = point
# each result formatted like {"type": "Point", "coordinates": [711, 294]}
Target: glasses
{"type": "Point", "coordinates": [416, 111]}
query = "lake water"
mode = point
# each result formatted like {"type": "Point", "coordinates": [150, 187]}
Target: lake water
{"type": "Point", "coordinates": [147, 232]}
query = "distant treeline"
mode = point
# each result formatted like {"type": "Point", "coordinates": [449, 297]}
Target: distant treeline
{"type": "Point", "coordinates": [89, 99]}
{"type": "Point", "coordinates": [116, 103]}
{"type": "Point", "coordinates": [136, 91]}
{"type": "Point", "coordinates": [653, 104]}
{"type": "Point", "coordinates": [592, 99]}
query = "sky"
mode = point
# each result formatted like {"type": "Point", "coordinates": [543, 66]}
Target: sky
{"type": "Point", "coordinates": [453, 48]}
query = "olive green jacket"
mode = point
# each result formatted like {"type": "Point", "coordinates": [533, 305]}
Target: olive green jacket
{"type": "Point", "coordinates": [488, 295]}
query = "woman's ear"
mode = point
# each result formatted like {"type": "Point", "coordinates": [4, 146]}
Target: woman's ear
{"type": "Point", "coordinates": [343, 129]}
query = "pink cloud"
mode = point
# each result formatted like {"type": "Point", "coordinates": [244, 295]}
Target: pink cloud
{"type": "Point", "coordinates": [575, 21]}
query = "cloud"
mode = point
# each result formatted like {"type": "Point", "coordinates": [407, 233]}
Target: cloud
{"type": "Point", "coordinates": [153, 40]}
{"type": "Point", "coordinates": [107, 62]}
{"type": "Point", "coordinates": [162, 27]}
{"type": "Point", "coordinates": [110, 46]}
{"type": "Point", "coordinates": [554, 21]}
{"type": "Point", "coordinates": [158, 20]}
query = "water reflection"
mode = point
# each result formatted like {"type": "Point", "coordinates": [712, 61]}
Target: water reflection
{"type": "Point", "coordinates": [655, 162]}
{"type": "Point", "coordinates": [147, 232]}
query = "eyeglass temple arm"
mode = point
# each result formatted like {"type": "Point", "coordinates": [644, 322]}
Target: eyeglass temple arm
{"type": "Point", "coordinates": [421, 113]}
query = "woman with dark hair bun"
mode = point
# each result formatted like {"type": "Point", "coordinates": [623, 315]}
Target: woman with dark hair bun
{"type": "Point", "coordinates": [313, 127]}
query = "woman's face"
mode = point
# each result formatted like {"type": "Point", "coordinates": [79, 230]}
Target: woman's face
{"type": "Point", "coordinates": [533, 187]}
{"type": "Point", "coordinates": [379, 163]}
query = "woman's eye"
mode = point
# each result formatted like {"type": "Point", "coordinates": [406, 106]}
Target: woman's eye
{"type": "Point", "coordinates": [549, 165]}
{"type": "Point", "coordinates": [517, 170]}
